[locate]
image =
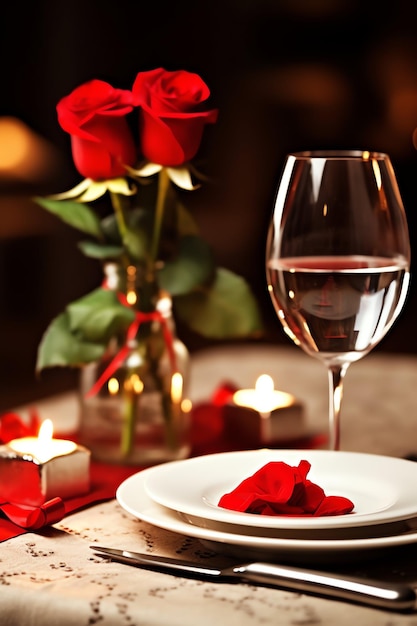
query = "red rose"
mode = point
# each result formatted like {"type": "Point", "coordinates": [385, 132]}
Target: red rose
{"type": "Point", "coordinates": [171, 119]}
{"type": "Point", "coordinates": [280, 489]}
{"type": "Point", "coordinates": [94, 114]}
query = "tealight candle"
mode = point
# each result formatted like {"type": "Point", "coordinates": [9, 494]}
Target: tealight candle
{"type": "Point", "coordinates": [264, 414]}
{"type": "Point", "coordinates": [36, 469]}
{"type": "Point", "coordinates": [43, 447]}
{"type": "Point", "coordinates": [264, 398]}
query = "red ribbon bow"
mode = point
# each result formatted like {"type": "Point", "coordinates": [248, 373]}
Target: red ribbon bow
{"type": "Point", "coordinates": [33, 518]}
{"type": "Point", "coordinates": [124, 350]}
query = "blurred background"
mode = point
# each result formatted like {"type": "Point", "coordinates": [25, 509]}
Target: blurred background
{"type": "Point", "coordinates": [286, 75]}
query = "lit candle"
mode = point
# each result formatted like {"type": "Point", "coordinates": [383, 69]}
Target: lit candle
{"type": "Point", "coordinates": [264, 398]}
{"type": "Point", "coordinates": [43, 447]}
{"type": "Point", "coordinates": [36, 469]}
{"type": "Point", "coordinates": [264, 414]}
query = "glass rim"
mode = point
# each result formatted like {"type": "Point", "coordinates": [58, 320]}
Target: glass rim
{"type": "Point", "coordinates": [363, 155]}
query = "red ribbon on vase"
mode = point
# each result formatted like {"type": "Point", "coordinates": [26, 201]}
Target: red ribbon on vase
{"type": "Point", "coordinates": [141, 317]}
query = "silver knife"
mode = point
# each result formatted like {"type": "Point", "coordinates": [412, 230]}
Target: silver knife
{"type": "Point", "coordinates": [393, 596]}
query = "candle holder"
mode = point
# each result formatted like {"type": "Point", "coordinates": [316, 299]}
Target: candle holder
{"type": "Point", "coordinates": [264, 415]}
{"type": "Point", "coordinates": [35, 470]}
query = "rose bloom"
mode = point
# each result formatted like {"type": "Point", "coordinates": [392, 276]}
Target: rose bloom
{"type": "Point", "coordinates": [94, 114]}
{"type": "Point", "coordinates": [171, 119]}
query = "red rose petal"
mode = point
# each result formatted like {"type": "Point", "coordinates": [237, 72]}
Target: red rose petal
{"type": "Point", "coordinates": [172, 119]}
{"type": "Point", "coordinates": [95, 116]}
{"type": "Point", "coordinates": [308, 496]}
{"type": "Point", "coordinates": [274, 482]}
{"type": "Point", "coordinates": [334, 505]}
{"type": "Point", "coordinates": [280, 489]}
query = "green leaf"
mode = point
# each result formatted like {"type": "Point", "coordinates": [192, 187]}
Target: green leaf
{"type": "Point", "coordinates": [193, 266]}
{"type": "Point", "coordinates": [60, 347]}
{"type": "Point", "coordinates": [100, 251]}
{"type": "Point", "coordinates": [99, 315]}
{"type": "Point", "coordinates": [227, 309]}
{"type": "Point", "coordinates": [76, 214]}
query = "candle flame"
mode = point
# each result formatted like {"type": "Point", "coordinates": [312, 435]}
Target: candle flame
{"type": "Point", "coordinates": [264, 384]}
{"type": "Point", "coordinates": [46, 431]}
{"type": "Point", "coordinates": [176, 387]}
{"type": "Point", "coordinates": [264, 388]}
{"type": "Point", "coordinates": [264, 398]}
{"type": "Point", "coordinates": [43, 448]}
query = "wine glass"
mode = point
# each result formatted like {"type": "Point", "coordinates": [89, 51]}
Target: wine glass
{"type": "Point", "coordinates": [337, 259]}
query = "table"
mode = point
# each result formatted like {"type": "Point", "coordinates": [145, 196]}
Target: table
{"type": "Point", "coordinates": [53, 577]}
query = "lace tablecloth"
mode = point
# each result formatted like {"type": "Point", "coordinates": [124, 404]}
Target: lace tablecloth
{"type": "Point", "coordinates": [53, 577]}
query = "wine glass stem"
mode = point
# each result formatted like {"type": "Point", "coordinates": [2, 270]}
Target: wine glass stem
{"type": "Point", "coordinates": [336, 377]}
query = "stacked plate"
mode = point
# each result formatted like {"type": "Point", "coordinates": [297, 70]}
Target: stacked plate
{"type": "Point", "coordinates": [182, 496]}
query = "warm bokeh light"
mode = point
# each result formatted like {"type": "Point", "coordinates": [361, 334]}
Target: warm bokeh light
{"type": "Point", "coordinates": [113, 386]}
{"type": "Point", "coordinates": [24, 155]}
{"type": "Point", "coordinates": [134, 383]}
{"type": "Point", "coordinates": [131, 295]}
{"type": "Point", "coordinates": [186, 405]}
{"type": "Point", "coordinates": [14, 144]}
{"type": "Point", "coordinates": [176, 387]}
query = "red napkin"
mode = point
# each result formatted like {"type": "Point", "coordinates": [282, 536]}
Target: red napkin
{"type": "Point", "coordinates": [280, 489]}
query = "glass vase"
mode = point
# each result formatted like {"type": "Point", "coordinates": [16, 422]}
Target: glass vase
{"type": "Point", "coordinates": [133, 402]}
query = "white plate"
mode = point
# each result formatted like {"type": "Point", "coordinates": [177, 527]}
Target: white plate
{"type": "Point", "coordinates": [132, 497]}
{"type": "Point", "coordinates": [382, 488]}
